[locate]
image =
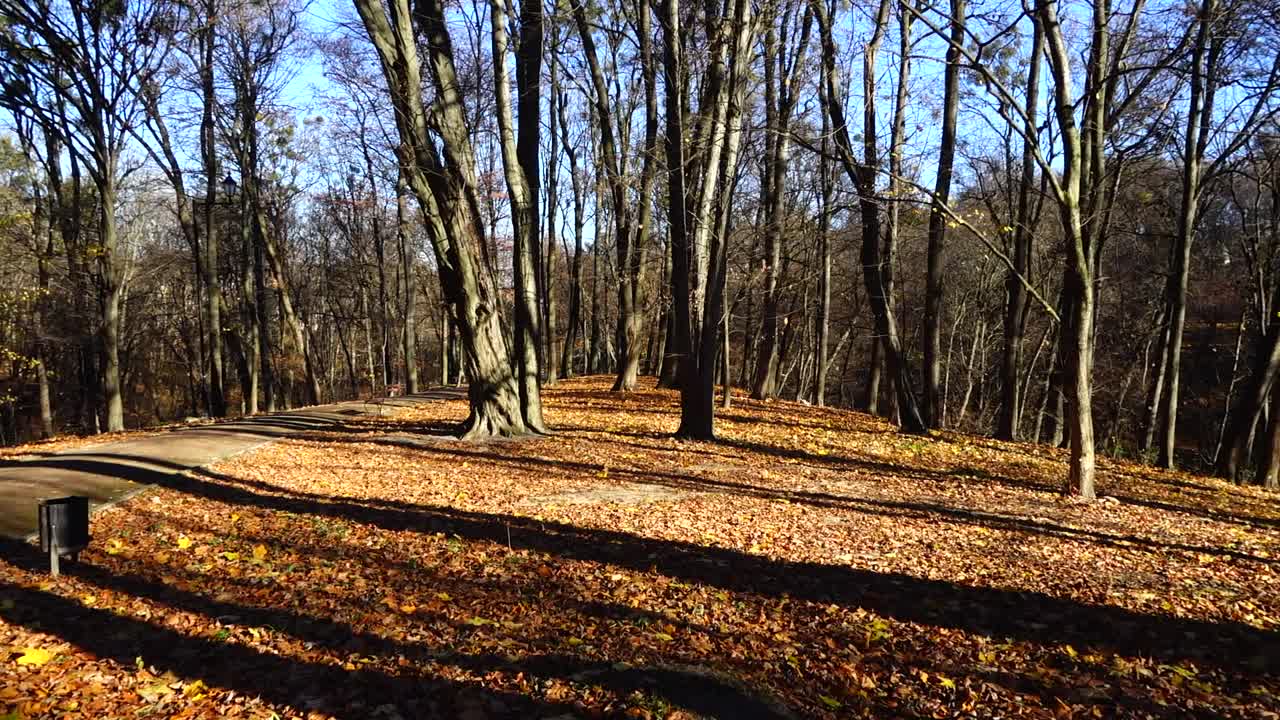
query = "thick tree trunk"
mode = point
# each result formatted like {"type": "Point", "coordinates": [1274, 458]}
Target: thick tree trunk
{"type": "Point", "coordinates": [1079, 391]}
{"type": "Point", "coordinates": [257, 230]}
{"type": "Point", "coordinates": [209, 155]}
{"type": "Point", "coordinates": [707, 152]}
{"type": "Point", "coordinates": [520, 164]}
{"type": "Point", "coordinates": [441, 172]}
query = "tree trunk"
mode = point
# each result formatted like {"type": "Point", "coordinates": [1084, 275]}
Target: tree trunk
{"type": "Point", "coordinates": [863, 175]}
{"type": "Point", "coordinates": [824, 265]}
{"type": "Point", "coordinates": [43, 235]}
{"type": "Point", "coordinates": [1078, 283]}
{"type": "Point", "coordinates": [1241, 330]}
{"type": "Point", "coordinates": [441, 172]}
{"type": "Point", "coordinates": [1268, 474]}
{"type": "Point", "coordinates": [446, 334]}
{"type": "Point", "coordinates": [1248, 410]}
{"type": "Point", "coordinates": [250, 346]}
{"type": "Point", "coordinates": [628, 239]}
{"type": "Point", "coordinates": [575, 280]}
{"type": "Point", "coordinates": [707, 153]}
{"type": "Point", "coordinates": [934, 285]}
{"type": "Point", "coordinates": [407, 255]}
{"type": "Point", "coordinates": [549, 361]}
{"type": "Point", "coordinates": [520, 163]}
{"type": "Point", "coordinates": [113, 288]}
{"type": "Point", "coordinates": [1015, 310]}
{"type": "Point", "coordinates": [1194, 143]}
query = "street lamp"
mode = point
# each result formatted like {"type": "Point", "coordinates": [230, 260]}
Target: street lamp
{"type": "Point", "coordinates": [229, 186]}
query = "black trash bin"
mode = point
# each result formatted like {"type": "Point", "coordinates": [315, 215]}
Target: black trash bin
{"type": "Point", "coordinates": [64, 525]}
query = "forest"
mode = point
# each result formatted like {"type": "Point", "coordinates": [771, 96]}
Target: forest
{"type": "Point", "coordinates": [640, 359]}
{"type": "Point", "coordinates": [1056, 222]}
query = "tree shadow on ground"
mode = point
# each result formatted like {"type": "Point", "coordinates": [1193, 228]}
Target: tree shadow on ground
{"type": "Point", "coordinates": [1163, 484]}
{"type": "Point", "coordinates": [329, 688]}
{"type": "Point", "coordinates": [832, 501]}
{"type": "Point", "coordinates": [994, 613]}
{"type": "Point", "coordinates": [151, 471]}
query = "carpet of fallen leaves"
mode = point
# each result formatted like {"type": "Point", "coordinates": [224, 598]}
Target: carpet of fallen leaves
{"type": "Point", "coordinates": [813, 563]}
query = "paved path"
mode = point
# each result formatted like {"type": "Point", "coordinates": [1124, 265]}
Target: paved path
{"type": "Point", "coordinates": [110, 472]}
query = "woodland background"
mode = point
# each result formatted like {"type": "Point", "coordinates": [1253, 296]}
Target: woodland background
{"type": "Point", "coordinates": [206, 208]}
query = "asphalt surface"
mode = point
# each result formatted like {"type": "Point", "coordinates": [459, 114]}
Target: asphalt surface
{"type": "Point", "coordinates": [111, 472]}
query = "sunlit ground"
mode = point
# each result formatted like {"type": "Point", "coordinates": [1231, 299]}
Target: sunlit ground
{"type": "Point", "coordinates": [812, 564]}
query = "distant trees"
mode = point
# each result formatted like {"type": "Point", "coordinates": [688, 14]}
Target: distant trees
{"type": "Point", "coordinates": [610, 186]}
{"type": "Point", "coordinates": [72, 68]}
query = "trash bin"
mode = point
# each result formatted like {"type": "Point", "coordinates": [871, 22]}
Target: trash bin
{"type": "Point", "coordinates": [64, 525]}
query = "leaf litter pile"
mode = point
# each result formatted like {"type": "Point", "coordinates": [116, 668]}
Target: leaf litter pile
{"type": "Point", "coordinates": [813, 563]}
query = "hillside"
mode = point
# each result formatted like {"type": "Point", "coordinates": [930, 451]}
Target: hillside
{"type": "Point", "coordinates": [813, 563]}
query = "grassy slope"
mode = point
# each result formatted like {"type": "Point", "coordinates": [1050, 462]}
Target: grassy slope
{"type": "Point", "coordinates": [813, 562]}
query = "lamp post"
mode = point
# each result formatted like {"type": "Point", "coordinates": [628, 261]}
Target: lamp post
{"type": "Point", "coordinates": [229, 186]}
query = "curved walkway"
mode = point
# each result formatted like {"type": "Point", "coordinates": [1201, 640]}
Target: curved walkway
{"type": "Point", "coordinates": [111, 472]}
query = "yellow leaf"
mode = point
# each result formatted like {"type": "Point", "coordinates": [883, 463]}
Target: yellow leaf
{"type": "Point", "coordinates": [573, 641]}
{"type": "Point", "coordinates": [663, 637]}
{"type": "Point", "coordinates": [408, 609]}
{"type": "Point", "coordinates": [194, 689]}
{"type": "Point", "coordinates": [947, 682]}
{"type": "Point", "coordinates": [259, 552]}
{"type": "Point", "coordinates": [831, 702]}
{"type": "Point", "coordinates": [443, 596]}
{"type": "Point", "coordinates": [89, 599]}
{"type": "Point", "coordinates": [231, 556]}
{"type": "Point", "coordinates": [154, 691]}
{"type": "Point", "coordinates": [115, 546]}
{"type": "Point", "coordinates": [1070, 651]}
{"type": "Point", "coordinates": [235, 517]}
{"type": "Point", "coordinates": [184, 542]}
{"type": "Point", "coordinates": [35, 656]}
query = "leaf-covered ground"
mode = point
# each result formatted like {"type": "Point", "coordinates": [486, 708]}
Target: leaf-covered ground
{"type": "Point", "coordinates": [811, 564]}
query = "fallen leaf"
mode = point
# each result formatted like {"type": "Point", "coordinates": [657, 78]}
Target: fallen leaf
{"type": "Point", "coordinates": [35, 656]}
